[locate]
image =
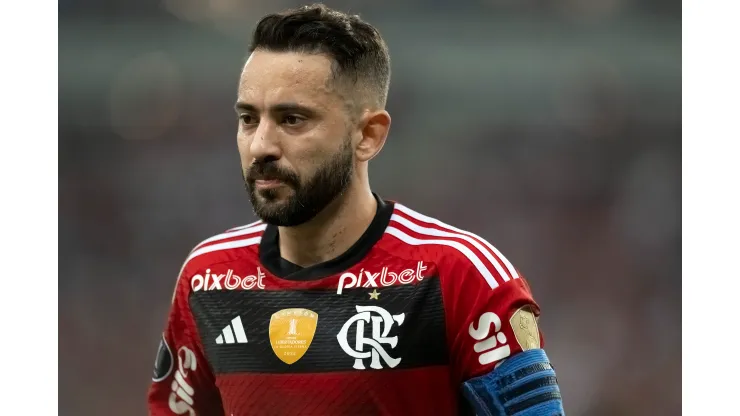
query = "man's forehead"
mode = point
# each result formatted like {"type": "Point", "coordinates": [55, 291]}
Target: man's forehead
{"type": "Point", "coordinates": [283, 74]}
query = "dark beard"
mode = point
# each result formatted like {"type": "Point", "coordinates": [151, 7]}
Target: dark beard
{"type": "Point", "coordinates": [308, 199]}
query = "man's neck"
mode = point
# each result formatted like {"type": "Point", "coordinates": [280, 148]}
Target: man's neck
{"type": "Point", "coordinates": [332, 232]}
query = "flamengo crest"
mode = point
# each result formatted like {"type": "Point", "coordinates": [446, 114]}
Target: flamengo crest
{"type": "Point", "coordinates": [370, 345]}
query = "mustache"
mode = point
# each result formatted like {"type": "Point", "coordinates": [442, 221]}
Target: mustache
{"type": "Point", "coordinates": [269, 171]}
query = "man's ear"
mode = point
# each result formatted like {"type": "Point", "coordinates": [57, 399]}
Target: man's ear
{"type": "Point", "coordinates": [374, 127]}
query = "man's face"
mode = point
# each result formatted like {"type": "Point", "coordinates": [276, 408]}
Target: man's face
{"type": "Point", "coordinates": [293, 137]}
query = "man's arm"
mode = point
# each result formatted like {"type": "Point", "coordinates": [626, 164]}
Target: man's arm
{"type": "Point", "coordinates": [182, 383]}
{"type": "Point", "coordinates": [496, 347]}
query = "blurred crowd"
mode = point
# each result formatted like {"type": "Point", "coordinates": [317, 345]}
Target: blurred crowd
{"type": "Point", "coordinates": [550, 127]}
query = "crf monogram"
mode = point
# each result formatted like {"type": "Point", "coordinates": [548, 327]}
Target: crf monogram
{"type": "Point", "coordinates": [381, 322]}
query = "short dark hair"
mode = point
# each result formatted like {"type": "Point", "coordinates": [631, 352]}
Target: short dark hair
{"type": "Point", "coordinates": [359, 53]}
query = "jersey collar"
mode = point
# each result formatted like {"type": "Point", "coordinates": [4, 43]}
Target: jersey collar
{"type": "Point", "coordinates": [269, 249]}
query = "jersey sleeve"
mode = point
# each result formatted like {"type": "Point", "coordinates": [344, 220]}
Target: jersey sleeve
{"type": "Point", "coordinates": [182, 382]}
{"type": "Point", "coordinates": [491, 314]}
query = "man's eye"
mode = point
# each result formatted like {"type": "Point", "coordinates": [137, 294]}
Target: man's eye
{"type": "Point", "coordinates": [247, 119]}
{"type": "Point", "coordinates": [292, 120]}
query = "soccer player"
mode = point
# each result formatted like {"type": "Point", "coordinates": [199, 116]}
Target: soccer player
{"type": "Point", "coordinates": [338, 302]}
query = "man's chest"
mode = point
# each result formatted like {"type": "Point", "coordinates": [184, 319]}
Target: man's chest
{"type": "Point", "coordinates": [367, 320]}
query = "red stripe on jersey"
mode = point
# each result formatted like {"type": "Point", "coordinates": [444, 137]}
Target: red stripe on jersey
{"type": "Point", "coordinates": [340, 393]}
{"type": "Point", "coordinates": [494, 256]}
{"type": "Point", "coordinates": [493, 264]}
{"type": "Point", "coordinates": [421, 236]}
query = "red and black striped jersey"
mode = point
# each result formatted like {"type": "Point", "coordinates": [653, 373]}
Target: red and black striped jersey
{"type": "Point", "coordinates": [393, 326]}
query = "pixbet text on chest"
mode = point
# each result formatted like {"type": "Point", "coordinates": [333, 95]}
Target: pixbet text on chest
{"type": "Point", "coordinates": [383, 278]}
{"type": "Point", "coordinates": [228, 281]}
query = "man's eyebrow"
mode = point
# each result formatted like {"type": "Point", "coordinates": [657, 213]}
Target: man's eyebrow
{"type": "Point", "coordinates": [242, 106]}
{"type": "Point", "coordinates": [291, 107]}
{"type": "Point", "coordinates": [277, 108]}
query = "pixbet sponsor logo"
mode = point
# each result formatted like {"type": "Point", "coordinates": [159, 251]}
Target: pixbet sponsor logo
{"type": "Point", "coordinates": [227, 281]}
{"type": "Point", "coordinates": [181, 399]}
{"type": "Point", "coordinates": [382, 278]}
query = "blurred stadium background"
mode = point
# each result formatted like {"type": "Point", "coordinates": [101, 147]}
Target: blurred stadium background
{"type": "Point", "coordinates": [550, 127]}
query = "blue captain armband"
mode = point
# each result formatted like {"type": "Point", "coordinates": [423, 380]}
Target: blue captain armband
{"type": "Point", "coordinates": [523, 385]}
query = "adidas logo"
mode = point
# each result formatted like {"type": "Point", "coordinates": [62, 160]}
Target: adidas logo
{"type": "Point", "coordinates": [233, 330]}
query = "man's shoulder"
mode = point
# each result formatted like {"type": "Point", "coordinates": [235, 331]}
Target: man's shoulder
{"type": "Point", "coordinates": [453, 250]}
{"type": "Point", "coordinates": [222, 247]}
{"type": "Point", "coordinates": [443, 241]}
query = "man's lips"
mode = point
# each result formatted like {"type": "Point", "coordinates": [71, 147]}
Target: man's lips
{"type": "Point", "coordinates": [268, 183]}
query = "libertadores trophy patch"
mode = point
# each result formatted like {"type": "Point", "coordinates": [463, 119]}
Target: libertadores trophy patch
{"type": "Point", "coordinates": [291, 333]}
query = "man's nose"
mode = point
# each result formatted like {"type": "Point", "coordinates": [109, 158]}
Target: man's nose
{"type": "Point", "coordinates": [266, 142]}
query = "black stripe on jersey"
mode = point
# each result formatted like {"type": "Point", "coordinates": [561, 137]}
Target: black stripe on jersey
{"type": "Point", "coordinates": [421, 339]}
